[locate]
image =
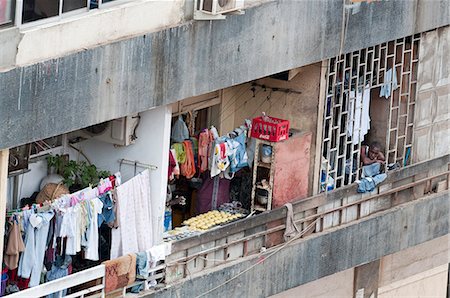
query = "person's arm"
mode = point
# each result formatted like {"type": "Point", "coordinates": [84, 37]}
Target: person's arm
{"type": "Point", "coordinates": [381, 157]}
{"type": "Point", "coordinates": [365, 159]}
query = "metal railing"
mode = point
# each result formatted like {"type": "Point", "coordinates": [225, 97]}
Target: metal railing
{"type": "Point", "coordinates": [57, 286]}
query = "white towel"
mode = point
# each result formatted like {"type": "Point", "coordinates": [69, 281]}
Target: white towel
{"type": "Point", "coordinates": [135, 231]}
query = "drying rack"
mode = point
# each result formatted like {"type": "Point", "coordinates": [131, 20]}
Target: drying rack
{"type": "Point", "coordinates": [136, 164]}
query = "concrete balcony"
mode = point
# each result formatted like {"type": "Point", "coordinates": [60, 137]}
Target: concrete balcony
{"type": "Point", "coordinates": [410, 208]}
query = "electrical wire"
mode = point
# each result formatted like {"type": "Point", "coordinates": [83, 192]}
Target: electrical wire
{"type": "Point", "coordinates": [262, 259]}
{"type": "Point", "coordinates": [81, 152]}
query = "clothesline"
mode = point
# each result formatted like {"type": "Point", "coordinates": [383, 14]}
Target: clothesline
{"type": "Point", "coordinates": [96, 190]}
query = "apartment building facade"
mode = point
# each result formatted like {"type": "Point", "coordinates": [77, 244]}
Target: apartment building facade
{"type": "Point", "coordinates": [76, 65]}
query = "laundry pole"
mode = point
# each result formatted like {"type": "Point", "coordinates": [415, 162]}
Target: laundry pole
{"type": "Point", "coordinates": [4, 154]}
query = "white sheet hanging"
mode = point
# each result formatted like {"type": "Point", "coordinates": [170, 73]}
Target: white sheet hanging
{"type": "Point", "coordinates": [358, 122]}
{"type": "Point", "coordinates": [135, 232]}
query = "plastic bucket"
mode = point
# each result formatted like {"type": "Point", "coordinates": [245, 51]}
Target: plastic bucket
{"type": "Point", "coordinates": [3, 284]}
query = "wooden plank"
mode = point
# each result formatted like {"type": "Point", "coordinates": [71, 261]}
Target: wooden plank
{"type": "Point", "coordinates": [4, 155]}
{"type": "Point", "coordinates": [235, 251]}
{"type": "Point", "coordinates": [176, 271]}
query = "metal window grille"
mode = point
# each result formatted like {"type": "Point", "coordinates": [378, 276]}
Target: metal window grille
{"type": "Point", "coordinates": [348, 77]}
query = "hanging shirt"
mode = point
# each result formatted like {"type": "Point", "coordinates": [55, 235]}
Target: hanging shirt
{"type": "Point", "coordinates": [204, 147]}
{"type": "Point", "coordinates": [15, 245]}
{"type": "Point", "coordinates": [390, 82]}
{"type": "Point", "coordinates": [68, 229]}
{"type": "Point", "coordinates": [180, 153]}
{"type": "Point", "coordinates": [180, 131]}
{"type": "Point", "coordinates": [91, 251]}
{"type": "Point", "coordinates": [358, 122]}
{"type": "Point", "coordinates": [220, 160]}
{"type": "Point", "coordinates": [32, 260]}
{"type": "Point", "coordinates": [238, 156]}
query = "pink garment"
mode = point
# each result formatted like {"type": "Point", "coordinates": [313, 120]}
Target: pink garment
{"type": "Point", "coordinates": [204, 147]}
{"type": "Point", "coordinates": [174, 170]}
{"type": "Point", "coordinates": [104, 186]}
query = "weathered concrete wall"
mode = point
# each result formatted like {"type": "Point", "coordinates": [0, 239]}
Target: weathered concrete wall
{"type": "Point", "coordinates": [325, 254]}
{"type": "Point", "coordinates": [418, 269]}
{"type": "Point", "coordinates": [338, 285]}
{"type": "Point", "coordinates": [432, 113]}
{"type": "Point", "coordinates": [414, 260]}
{"type": "Point", "coordinates": [299, 107]}
{"type": "Point", "coordinates": [430, 283]}
{"type": "Point", "coordinates": [133, 75]}
{"type": "Point", "coordinates": [99, 26]}
{"type": "Point", "coordinates": [9, 39]}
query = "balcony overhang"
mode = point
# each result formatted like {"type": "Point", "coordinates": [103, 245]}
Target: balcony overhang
{"type": "Point", "coordinates": [136, 74]}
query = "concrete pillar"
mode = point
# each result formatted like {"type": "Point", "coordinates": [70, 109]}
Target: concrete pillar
{"type": "Point", "coordinates": [4, 154]}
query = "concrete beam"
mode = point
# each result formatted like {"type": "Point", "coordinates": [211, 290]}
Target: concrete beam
{"type": "Point", "coordinates": [136, 74]}
{"type": "Point", "coordinates": [327, 253]}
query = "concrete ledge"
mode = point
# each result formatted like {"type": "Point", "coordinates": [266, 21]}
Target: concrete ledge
{"type": "Point", "coordinates": [326, 253]}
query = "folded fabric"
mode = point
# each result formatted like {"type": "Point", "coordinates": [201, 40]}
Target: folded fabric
{"type": "Point", "coordinates": [120, 272]}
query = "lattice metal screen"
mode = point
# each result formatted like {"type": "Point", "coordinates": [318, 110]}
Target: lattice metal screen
{"type": "Point", "coordinates": [363, 103]}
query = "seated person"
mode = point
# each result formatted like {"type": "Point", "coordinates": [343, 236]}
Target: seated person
{"type": "Point", "coordinates": [372, 158]}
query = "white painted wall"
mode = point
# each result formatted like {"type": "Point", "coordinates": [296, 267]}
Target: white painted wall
{"type": "Point", "coordinates": [96, 27]}
{"type": "Point", "coordinates": [28, 182]}
{"type": "Point", "coordinates": [151, 147]}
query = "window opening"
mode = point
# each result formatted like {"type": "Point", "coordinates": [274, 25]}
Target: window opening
{"type": "Point", "coordinates": [370, 96]}
{"type": "Point", "coordinates": [6, 11]}
{"type": "Point", "coordinates": [34, 10]}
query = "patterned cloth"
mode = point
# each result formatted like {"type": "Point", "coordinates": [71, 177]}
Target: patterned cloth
{"type": "Point", "coordinates": [120, 272]}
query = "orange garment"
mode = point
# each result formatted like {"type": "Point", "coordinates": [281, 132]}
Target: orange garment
{"type": "Point", "coordinates": [187, 169]}
{"type": "Point", "coordinates": [120, 272]}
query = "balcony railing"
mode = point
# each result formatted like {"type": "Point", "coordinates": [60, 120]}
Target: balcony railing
{"type": "Point", "coordinates": [312, 215]}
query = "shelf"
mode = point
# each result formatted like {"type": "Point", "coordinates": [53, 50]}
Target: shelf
{"type": "Point", "coordinates": [261, 208]}
{"type": "Point", "coordinates": [262, 187]}
{"type": "Point", "coordinates": [264, 164]}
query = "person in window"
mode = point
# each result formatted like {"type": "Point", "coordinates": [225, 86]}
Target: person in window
{"type": "Point", "coordinates": [372, 154]}
{"type": "Point", "coordinates": [372, 159]}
